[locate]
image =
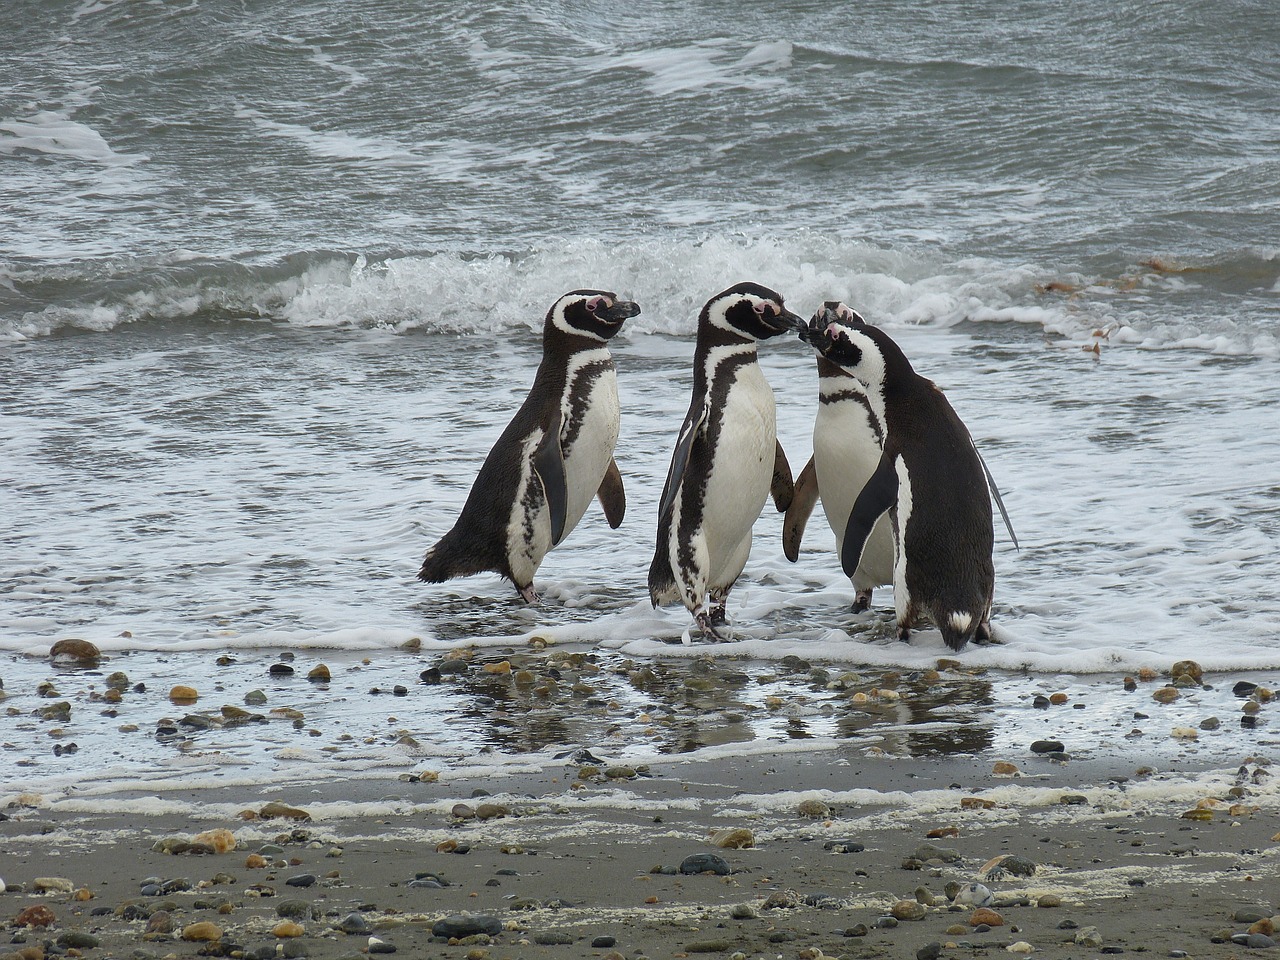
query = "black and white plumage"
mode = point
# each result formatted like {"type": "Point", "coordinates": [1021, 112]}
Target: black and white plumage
{"type": "Point", "coordinates": [553, 457]}
{"type": "Point", "coordinates": [727, 458]}
{"type": "Point", "coordinates": [929, 479]}
{"type": "Point", "coordinates": [848, 440]}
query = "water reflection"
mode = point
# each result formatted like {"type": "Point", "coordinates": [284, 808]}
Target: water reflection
{"type": "Point", "coordinates": [524, 702]}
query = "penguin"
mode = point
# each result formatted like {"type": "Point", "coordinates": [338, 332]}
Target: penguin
{"type": "Point", "coordinates": [848, 437]}
{"type": "Point", "coordinates": [727, 458]}
{"type": "Point", "coordinates": [553, 457]}
{"type": "Point", "coordinates": [929, 479]}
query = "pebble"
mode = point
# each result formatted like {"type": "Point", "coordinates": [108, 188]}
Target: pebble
{"type": "Point", "coordinates": [908, 910]}
{"type": "Point", "coordinates": [35, 916]}
{"type": "Point", "coordinates": [354, 923]}
{"type": "Point", "coordinates": [1020, 947]}
{"type": "Point", "coordinates": [294, 909]}
{"type": "Point", "coordinates": [813, 809]}
{"type": "Point", "coordinates": [319, 674]}
{"type": "Point", "coordinates": [704, 863]}
{"type": "Point", "coordinates": [987, 916]}
{"type": "Point", "coordinates": [930, 951]}
{"type": "Point", "coordinates": [182, 694]}
{"type": "Point", "coordinates": [220, 840]}
{"type": "Point", "coordinates": [553, 938]}
{"type": "Point", "coordinates": [78, 940]}
{"type": "Point", "coordinates": [927, 852]}
{"type": "Point", "coordinates": [287, 929]}
{"type": "Point", "coordinates": [1254, 941]}
{"type": "Point", "coordinates": [1047, 746]}
{"type": "Point", "coordinates": [1088, 937]}
{"type": "Point", "coordinates": [1003, 768]}
{"type": "Point", "coordinates": [844, 846]}
{"type": "Point", "coordinates": [202, 931]}
{"type": "Point", "coordinates": [52, 885]}
{"type": "Point", "coordinates": [301, 880]}
{"type": "Point", "coordinates": [1049, 900]}
{"type": "Point", "coordinates": [974, 894]}
{"type": "Point", "coordinates": [466, 925]}
{"type": "Point", "coordinates": [75, 651]}
{"type": "Point", "coordinates": [733, 838]}
{"type": "Point", "coordinates": [381, 946]}
{"type": "Point", "coordinates": [603, 943]}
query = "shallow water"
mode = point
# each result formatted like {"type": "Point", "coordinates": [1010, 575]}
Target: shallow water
{"type": "Point", "coordinates": [271, 282]}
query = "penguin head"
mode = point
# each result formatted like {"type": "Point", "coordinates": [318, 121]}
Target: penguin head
{"type": "Point", "coordinates": [840, 335]}
{"type": "Point", "coordinates": [590, 313]}
{"type": "Point", "coordinates": [749, 310]}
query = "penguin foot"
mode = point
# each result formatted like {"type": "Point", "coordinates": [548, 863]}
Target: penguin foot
{"type": "Point", "coordinates": [862, 601]}
{"type": "Point", "coordinates": [904, 634]}
{"type": "Point", "coordinates": [983, 635]}
{"type": "Point", "coordinates": [717, 615]}
{"type": "Point", "coordinates": [706, 624]}
{"type": "Point", "coordinates": [530, 595]}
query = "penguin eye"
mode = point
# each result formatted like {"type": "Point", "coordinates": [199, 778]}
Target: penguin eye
{"type": "Point", "coordinates": [595, 303]}
{"type": "Point", "coordinates": [758, 307]}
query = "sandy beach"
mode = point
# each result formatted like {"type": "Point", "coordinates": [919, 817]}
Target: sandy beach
{"type": "Point", "coordinates": [830, 852]}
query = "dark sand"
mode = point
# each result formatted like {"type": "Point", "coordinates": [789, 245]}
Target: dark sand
{"type": "Point", "coordinates": [577, 858]}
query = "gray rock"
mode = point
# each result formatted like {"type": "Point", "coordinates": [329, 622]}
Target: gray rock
{"type": "Point", "coordinates": [704, 863]}
{"type": "Point", "coordinates": [927, 851]}
{"type": "Point", "coordinates": [295, 910]}
{"type": "Point", "coordinates": [354, 923]}
{"type": "Point", "coordinates": [464, 925]}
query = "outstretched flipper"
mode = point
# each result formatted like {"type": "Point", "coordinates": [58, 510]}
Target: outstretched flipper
{"type": "Point", "coordinates": [548, 464]}
{"type": "Point", "coordinates": [689, 432]}
{"type": "Point", "coordinates": [611, 495]}
{"type": "Point", "coordinates": [995, 495]}
{"type": "Point", "coordinates": [802, 504]}
{"type": "Point", "coordinates": [782, 487]}
{"type": "Point", "coordinates": [878, 495]}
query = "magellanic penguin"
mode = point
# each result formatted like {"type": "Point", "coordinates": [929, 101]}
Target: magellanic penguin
{"type": "Point", "coordinates": [727, 458]}
{"type": "Point", "coordinates": [848, 440]}
{"type": "Point", "coordinates": [554, 456]}
{"type": "Point", "coordinates": [929, 479]}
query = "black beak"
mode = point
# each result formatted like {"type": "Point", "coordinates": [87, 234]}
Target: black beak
{"type": "Point", "coordinates": [622, 310]}
{"type": "Point", "coordinates": [784, 321]}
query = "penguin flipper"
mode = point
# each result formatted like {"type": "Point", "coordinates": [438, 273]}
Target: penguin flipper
{"type": "Point", "coordinates": [878, 495]}
{"type": "Point", "coordinates": [782, 487]}
{"type": "Point", "coordinates": [548, 464]}
{"type": "Point", "coordinates": [798, 513]}
{"type": "Point", "coordinates": [995, 495]}
{"type": "Point", "coordinates": [689, 432]}
{"type": "Point", "coordinates": [611, 495]}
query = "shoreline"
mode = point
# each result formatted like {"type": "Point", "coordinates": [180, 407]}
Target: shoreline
{"type": "Point", "coordinates": [562, 857]}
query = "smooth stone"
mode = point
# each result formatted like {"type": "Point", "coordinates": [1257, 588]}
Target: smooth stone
{"type": "Point", "coordinates": [463, 925]}
{"type": "Point", "coordinates": [354, 923]}
{"type": "Point", "coordinates": [78, 940]}
{"type": "Point", "coordinates": [1089, 937]}
{"type": "Point", "coordinates": [844, 846]}
{"type": "Point", "coordinates": [974, 894]}
{"type": "Point", "coordinates": [294, 910]}
{"type": "Point", "coordinates": [553, 938]}
{"type": "Point", "coordinates": [908, 910]}
{"type": "Point", "coordinates": [603, 943]}
{"type": "Point", "coordinates": [930, 951]}
{"type": "Point", "coordinates": [1047, 746]}
{"type": "Point", "coordinates": [705, 862]}
{"type": "Point", "coordinates": [301, 880]}
{"type": "Point", "coordinates": [927, 851]}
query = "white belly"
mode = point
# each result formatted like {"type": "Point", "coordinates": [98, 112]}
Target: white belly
{"type": "Point", "coordinates": [588, 458]}
{"type": "Point", "coordinates": [740, 476]}
{"type": "Point", "coordinates": [846, 452]}
{"type": "Point", "coordinates": [585, 461]}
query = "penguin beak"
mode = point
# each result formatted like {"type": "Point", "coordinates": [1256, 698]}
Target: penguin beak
{"type": "Point", "coordinates": [815, 334]}
{"type": "Point", "coordinates": [784, 321]}
{"type": "Point", "coordinates": [622, 310]}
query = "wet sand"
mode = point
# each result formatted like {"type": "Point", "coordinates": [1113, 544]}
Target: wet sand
{"type": "Point", "coordinates": [582, 859]}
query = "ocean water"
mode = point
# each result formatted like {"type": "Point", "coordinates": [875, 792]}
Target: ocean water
{"type": "Point", "coordinates": [271, 282]}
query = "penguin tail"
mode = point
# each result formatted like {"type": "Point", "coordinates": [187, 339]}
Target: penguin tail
{"type": "Point", "coordinates": [958, 628]}
{"type": "Point", "coordinates": [445, 561]}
